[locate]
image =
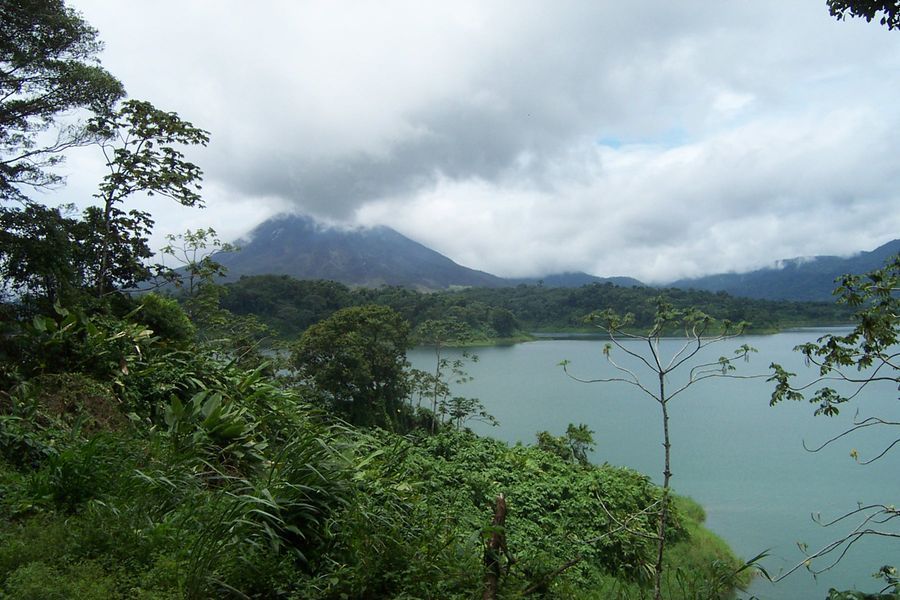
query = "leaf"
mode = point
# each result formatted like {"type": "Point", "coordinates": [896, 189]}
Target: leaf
{"type": "Point", "coordinates": [39, 323]}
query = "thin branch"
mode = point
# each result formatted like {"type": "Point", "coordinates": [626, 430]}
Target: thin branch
{"type": "Point", "coordinates": [609, 380]}
{"type": "Point", "coordinates": [881, 509]}
{"type": "Point", "coordinates": [654, 352]}
{"type": "Point", "coordinates": [868, 422]}
{"type": "Point", "coordinates": [882, 453]}
{"type": "Point", "coordinates": [687, 344]}
{"type": "Point", "coordinates": [623, 526]}
{"type": "Point", "coordinates": [621, 347]}
{"type": "Point", "coordinates": [714, 374]}
{"type": "Point", "coordinates": [703, 344]}
{"type": "Point", "coordinates": [618, 367]}
{"type": "Point", "coordinates": [846, 542]}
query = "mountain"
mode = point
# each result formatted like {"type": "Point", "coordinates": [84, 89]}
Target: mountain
{"type": "Point", "coordinates": [300, 247]}
{"type": "Point", "coordinates": [572, 279]}
{"type": "Point", "coordinates": [795, 278]}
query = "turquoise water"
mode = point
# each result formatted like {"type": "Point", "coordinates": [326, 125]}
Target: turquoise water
{"type": "Point", "coordinates": [743, 460]}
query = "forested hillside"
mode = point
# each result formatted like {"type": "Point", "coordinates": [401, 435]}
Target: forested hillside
{"type": "Point", "coordinates": [289, 306]}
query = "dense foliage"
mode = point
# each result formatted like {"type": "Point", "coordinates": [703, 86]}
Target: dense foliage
{"type": "Point", "coordinates": [290, 306]}
{"type": "Point", "coordinates": [140, 465]}
{"type": "Point", "coordinates": [355, 358]}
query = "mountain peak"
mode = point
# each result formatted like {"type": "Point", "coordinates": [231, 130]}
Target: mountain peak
{"type": "Point", "coordinates": [304, 248]}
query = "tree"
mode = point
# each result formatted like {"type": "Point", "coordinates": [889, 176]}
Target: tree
{"type": "Point", "coordinates": [196, 271]}
{"type": "Point", "coordinates": [193, 252]}
{"type": "Point", "coordinates": [887, 11]}
{"type": "Point", "coordinates": [357, 357]}
{"type": "Point", "coordinates": [439, 333]}
{"type": "Point", "coordinates": [461, 409]}
{"type": "Point", "coordinates": [50, 255]}
{"type": "Point", "coordinates": [48, 66]}
{"type": "Point", "coordinates": [236, 336]}
{"type": "Point", "coordinates": [116, 250]}
{"type": "Point", "coordinates": [503, 321]}
{"type": "Point", "coordinates": [46, 252]}
{"type": "Point", "coordinates": [140, 144]}
{"type": "Point", "coordinates": [40, 254]}
{"type": "Point", "coordinates": [869, 354]}
{"type": "Point", "coordinates": [699, 331]}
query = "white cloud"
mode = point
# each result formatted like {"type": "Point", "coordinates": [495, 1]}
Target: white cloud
{"type": "Point", "coordinates": [734, 133]}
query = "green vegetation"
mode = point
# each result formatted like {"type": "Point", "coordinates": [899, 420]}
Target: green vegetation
{"type": "Point", "coordinates": [289, 306]}
{"type": "Point", "coordinates": [355, 359]}
{"type": "Point", "coordinates": [149, 450]}
{"type": "Point", "coordinates": [136, 465]}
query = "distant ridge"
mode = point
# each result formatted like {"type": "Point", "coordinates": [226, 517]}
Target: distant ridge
{"type": "Point", "coordinates": [298, 246]}
{"type": "Point", "coordinates": [795, 278]}
{"type": "Point", "coordinates": [574, 279]}
{"type": "Point", "coordinates": [302, 248]}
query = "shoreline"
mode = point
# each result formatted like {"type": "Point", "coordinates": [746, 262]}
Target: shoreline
{"type": "Point", "coordinates": [591, 334]}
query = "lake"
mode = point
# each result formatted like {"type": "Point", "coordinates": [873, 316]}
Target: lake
{"type": "Point", "coordinates": [741, 459]}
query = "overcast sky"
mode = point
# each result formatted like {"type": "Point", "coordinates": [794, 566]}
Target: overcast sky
{"type": "Point", "coordinates": [655, 139]}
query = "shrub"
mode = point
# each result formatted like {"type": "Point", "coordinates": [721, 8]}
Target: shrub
{"type": "Point", "coordinates": [165, 317]}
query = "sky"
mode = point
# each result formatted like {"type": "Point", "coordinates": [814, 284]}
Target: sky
{"type": "Point", "coordinates": [652, 139]}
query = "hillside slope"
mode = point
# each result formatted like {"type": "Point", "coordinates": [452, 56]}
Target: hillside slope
{"type": "Point", "coordinates": [793, 279]}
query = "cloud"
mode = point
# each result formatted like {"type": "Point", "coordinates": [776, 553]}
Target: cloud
{"type": "Point", "coordinates": [652, 139]}
{"type": "Point", "coordinates": [736, 201]}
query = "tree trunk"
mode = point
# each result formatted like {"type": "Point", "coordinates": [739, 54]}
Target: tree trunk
{"type": "Point", "coordinates": [663, 515]}
{"type": "Point", "coordinates": [493, 549]}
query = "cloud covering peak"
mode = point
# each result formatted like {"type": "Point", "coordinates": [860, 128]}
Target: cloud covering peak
{"type": "Point", "coordinates": [651, 139]}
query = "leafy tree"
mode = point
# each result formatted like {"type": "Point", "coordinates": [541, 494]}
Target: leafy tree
{"type": "Point", "coordinates": [504, 322]}
{"type": "Point", "coordinates": [116, 251]}
{"type": "Point", "coordinates": [887, 11]}
{"type": "Point", "coordinates": [460, 410]}
{"type": "Point", "coordinates": [357, 358]}
{"type": "Point", "coordinates": [574, 446]}
{"type": "Point", "coordinates": [193, 252]}
{"type": "Point", "coordinates": [699, 331]}
{"type": "Point", "coordinates": [140, 144]}
{"type": "Point", "coordinates": [40, 253]}
{"type": "Point", "coordinates": [49, 66]}
{"type": "Point", "coordinates": [196, 271]}
{"type": "Point", "coordinates": [46, 253]}
{"type": "Point", "coordinates": [50, 255]}
{"type": "Point", "coordinates": [868, 355]}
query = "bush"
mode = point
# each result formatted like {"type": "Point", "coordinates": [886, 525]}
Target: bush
{"type": "Point", "coordinates": [166, 318]}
